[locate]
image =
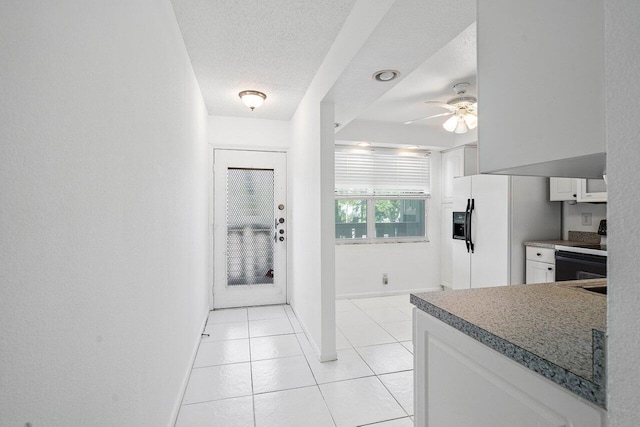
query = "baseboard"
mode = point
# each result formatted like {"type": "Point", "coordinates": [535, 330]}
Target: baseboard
{"type": "Point", "coordinates": [185, 380]}
{"type": "Point", "coordinates": [321, 357]}
{"type": "Point", "coordinates": [385, 294]}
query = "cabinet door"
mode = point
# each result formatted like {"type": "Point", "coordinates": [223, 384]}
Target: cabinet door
{"type": "Point", "coordinates": [452, 166]}
{"type": "Point", "coordinates": [540, 272]}
{"type": "Point", "coordinates": [592, 190]}
{"type": "Point", "coordinates": [461, 382]}
{"type": "Point", "coordinates": [446, 256]}
{"type": "Point", "coordinates": [530, 52]}
{"type": "Point", "coordinates": [561, 189]}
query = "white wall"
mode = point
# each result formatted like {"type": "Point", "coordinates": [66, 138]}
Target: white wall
{"type": "Point", "coordinates": [388, 133]}
{"type": "Point", "coordinates": [103, 218]}
{"type": "Point", "coordinates": [311, 262]}
{"type": "Point", "coordinates": [622, 36]}
{"type": "Point", "coordinates": [411, 267]}
{"type": "Point", "coordinates": [572, 217]}
{"type": "Point", "coordinates": [248, 134]}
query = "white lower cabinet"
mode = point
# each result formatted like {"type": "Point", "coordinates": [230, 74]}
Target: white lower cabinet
{"type": "Point", "coordinates": [461, 382]}
{"type": "Point", "coordinates": [540, 272]}
{"type": "Point", "coordinates": [541, 265]}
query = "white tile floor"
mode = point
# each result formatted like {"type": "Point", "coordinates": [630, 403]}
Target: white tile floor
{"type": "Point", "coordinates": [257, 368]}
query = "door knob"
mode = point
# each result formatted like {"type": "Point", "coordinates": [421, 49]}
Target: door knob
{"type": "Point", "coordinates": [281, 231]}
{"type": "Point", "coordinates": [281, 220]}
{"type": "Point", "coordinates": [281, 239]}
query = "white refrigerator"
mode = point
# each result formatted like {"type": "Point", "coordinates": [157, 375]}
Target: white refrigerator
{"type": "Point", "coordinates": [501, 213]}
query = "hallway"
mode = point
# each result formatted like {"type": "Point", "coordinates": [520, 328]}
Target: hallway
{"type": "Point", "coordinates": [256, 368]}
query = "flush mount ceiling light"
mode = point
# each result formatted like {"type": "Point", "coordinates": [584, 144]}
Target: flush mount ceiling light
{"type": "Point", "coordinates": [463, 110]}
{"type": "Point", "coordinates": [252, 98]}
{"type": "Point", "coordinates": [385, 75]}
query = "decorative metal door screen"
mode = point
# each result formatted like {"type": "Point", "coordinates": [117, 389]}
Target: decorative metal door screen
{"type": "Point", "coordinates": [250, 226]}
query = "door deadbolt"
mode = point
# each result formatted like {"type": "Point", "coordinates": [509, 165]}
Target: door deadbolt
{"type": "Point", "coordinates": [281, 239]}
{"type": "Point", "coordinates": [281, 231]}
{"type": "Point", "coordinates": [281, 206]}
{"type": "Point", "coordinates": [281, 220]}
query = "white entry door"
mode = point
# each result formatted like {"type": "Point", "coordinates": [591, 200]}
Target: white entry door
{"type": "Point", "coordinates": [250, 228]}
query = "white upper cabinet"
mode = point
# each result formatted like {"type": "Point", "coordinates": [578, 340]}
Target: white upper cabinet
{"type": "Point", "coordinates": [579, 190]}
{"type": "Point", "coordinates": [563, 189]}
{"type": "Point", "coordinates": [459, 161]}
{"type": "Point", "coordinates": [592, 190]}
{"type": "Point", "coordinates": [541, 87]}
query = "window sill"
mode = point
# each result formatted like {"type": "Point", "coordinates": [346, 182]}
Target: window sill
{"type": "Point", "coordinates": [381, 241]}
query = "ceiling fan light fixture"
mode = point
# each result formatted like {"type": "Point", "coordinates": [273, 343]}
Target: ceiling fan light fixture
{"type": "Point", "coordinates": [451, 123]}
{"type": "Point", "coordinates": [461, 127]}
{"type": "Point", "coordinates": [252, 98]}
{"type": "Point", "coordinates": [471, 121]}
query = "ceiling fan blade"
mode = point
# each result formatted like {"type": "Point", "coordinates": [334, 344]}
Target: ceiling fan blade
{"type": "Point", "coordinates": [473, 107]}
{"type": "Point", "coordinates": [442, 104]}
{"type": "Point", "coordinates": [428, 117]}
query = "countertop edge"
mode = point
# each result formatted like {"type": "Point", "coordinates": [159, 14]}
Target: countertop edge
{"type": "Point", "coordinates": [546, 245]}
{"type": "Point", "coordinates": [592, 391]}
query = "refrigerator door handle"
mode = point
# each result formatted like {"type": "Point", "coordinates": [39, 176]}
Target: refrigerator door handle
{"type": "Point", "coordinates": [466, 225]}
{"type": "Point", "coordinates": [471, 208]}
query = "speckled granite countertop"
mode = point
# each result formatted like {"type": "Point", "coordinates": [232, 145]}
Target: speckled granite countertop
{"type": "Point", "coordinates": [576, 238]}
{"type": "Point", "coordinates": [554, 329]}
{"type": "Point", "coordinates": [551, 244]}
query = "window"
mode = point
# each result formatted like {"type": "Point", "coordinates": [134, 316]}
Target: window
{"type": "Point", "coordinates": [381, 195]}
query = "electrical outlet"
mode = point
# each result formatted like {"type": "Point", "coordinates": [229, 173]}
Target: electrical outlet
{"type": "Point", "coordinates": [385, 279]}
{"type": "Point", "coordinates": [586, 218]}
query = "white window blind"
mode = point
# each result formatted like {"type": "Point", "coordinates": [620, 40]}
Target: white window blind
{"type": "Point", "coordinates": [382, 172]}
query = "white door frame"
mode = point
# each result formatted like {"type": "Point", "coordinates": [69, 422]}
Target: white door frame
{"type": "Point", "coordinates": [232, 296]}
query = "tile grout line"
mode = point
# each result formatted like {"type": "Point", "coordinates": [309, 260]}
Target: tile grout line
{"type": "Point", "coordinates": [253, 399]}
{"type": "Point", "coordinates": [378, 376]}
{"type": "Point", "coordinates": [307, 358]}
{"type": "Point", "coordinates": [312, 373]}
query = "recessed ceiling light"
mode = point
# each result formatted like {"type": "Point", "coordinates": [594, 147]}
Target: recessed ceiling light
{"type": "Point", "coordinates": [385, 75]}
{"type": "Point", "coordinates": [252, 98]}
{"type": "Point", "coordinates": [364, 144]}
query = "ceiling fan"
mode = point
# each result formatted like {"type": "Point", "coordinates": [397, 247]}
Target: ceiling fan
{"type": "Point", "coordinates": [463, 110]}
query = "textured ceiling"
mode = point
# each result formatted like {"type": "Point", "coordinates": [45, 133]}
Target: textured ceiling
{"type": "Point", "coordinates": [409, 34]}
{"type": "Point", "coordinates": [273, 46]}
{"type": "Point", "coordinates": [433, 80]}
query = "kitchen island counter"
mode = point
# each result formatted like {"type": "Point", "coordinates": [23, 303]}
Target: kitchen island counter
{"type": "Point", "coordinates": [554, 329]}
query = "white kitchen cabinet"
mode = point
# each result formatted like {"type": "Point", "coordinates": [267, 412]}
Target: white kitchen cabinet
{"type": "Point", "coordinates": [592, 190]}
{"type": "Point", "coordinates": [563, 189]}
{"type": "Point", "coordinates": [535, 58]}
{"type": "Point", "coordinates": [459, 161]}
{"type": "Point", "coordinates": [446, 255]}
{"type": "Point", "coordinates": [540, 272]}
{"type": "Point", "coordinates": [540, 265]}
{"type": "Point", "coordinates": [461, 382]}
